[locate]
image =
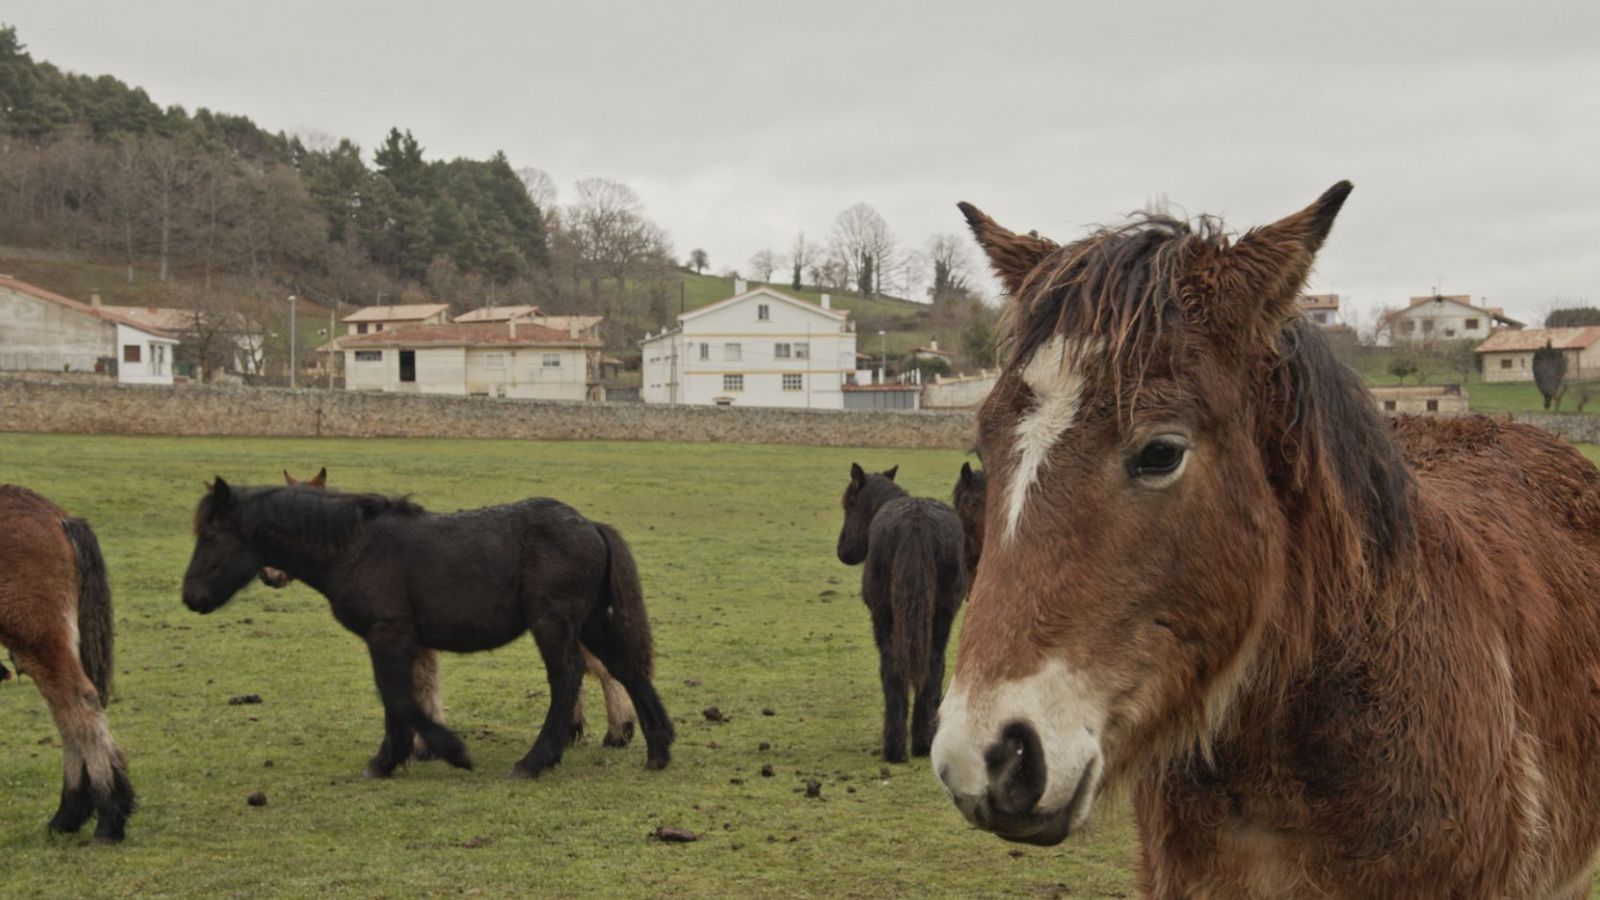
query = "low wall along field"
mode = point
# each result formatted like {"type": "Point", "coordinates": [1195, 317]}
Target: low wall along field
{"type": "Point", "coordinates": [78, 407]}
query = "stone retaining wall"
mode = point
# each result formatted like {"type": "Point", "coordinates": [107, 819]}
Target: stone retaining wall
{"type": "Point", "coordinates": [55, 405]}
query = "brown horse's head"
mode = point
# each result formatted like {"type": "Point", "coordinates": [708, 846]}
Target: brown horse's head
{"type": "Point", "coordinates": [1133, 538]}
{"type": "Point", "coordinates": [969, 500]}
{"type": "Point", "coordinates": [276, 578]}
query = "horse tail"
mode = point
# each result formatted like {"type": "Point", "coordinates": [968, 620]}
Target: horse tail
{"type": "Point", "coordinates": [625, 598]}
{"type": "Point", "coordinates": [912, 596]}
{"type": "Point", "coordinates": [95, 625]}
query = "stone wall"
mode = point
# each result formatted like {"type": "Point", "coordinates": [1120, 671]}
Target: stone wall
{"type": "Point", "coordinates": [73, 406]}
{"type": "Point", "coordinates": [1577, 429]}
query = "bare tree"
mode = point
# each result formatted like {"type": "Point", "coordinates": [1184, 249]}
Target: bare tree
{"type": "Point", "coordinates": [540, 187]}
{"type": "Point", "coordinates": [166, 172]}
{"type": "Point", "coordinates": [610, 235]}
{"type": "Point", "coordinates": [762, 264]}
{"type": "Point", "coordinates": [863, 244]}
{"type": "Point", "coordinates": [802, 256]}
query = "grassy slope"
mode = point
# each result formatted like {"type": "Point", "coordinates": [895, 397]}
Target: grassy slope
{"type": "Point", "coordinates": [736, 546]}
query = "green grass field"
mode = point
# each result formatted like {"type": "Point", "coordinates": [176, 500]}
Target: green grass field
{"type": "Point", "coordinates": [750, 607]}
{"type": "Point", "coordinates": [751, 610]}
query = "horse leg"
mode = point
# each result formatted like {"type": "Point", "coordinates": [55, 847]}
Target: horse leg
{"type": "Point", "coordinates": [558, 644]}
{"type": "Point", "coordinates": [926, 708]}
{"type": "Point", "coordinates": [95, 776]}
{"type": "Point", "coordinates": [603, 640]}
{"type": "Point", "coordinates": [580, 719]}
{"type": "Point", "coordinates": [393, 658]}
{"type": "Point", "coordinates": [425, 683]}
{"type": "Point", "coordinates": [619, 709]}
{"type": "Point", "coordinates": [894, 691]}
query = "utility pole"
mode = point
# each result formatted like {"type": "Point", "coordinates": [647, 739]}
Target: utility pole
{"type": "Point", "coordinates": [883, 361]}
{"type": "Point", "coordinates": [292, 305]}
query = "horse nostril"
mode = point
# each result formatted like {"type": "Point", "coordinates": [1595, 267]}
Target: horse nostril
{"type": "Point", "coordinates": [1016, 769]}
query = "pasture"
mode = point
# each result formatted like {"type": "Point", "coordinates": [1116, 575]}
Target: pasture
{"type": "Point", "coordinates": [752, 612]}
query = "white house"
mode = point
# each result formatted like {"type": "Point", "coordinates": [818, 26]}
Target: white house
{"type": "Point", "coordinates": [45, 331]}
{"type": "Point", "coordinates": [237, 343]}
{"type": "Point", "coordinates": [1321, 309]}
{"type": "Point", "coordinates": [1438, 317]}
{"type": "Point", "coordinates": [510, 359]}
{"type": "Point", "coordinates": [757, 348]}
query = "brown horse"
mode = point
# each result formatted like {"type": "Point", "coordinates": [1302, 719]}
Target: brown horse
{"type": "Point", "coordinates": [55, 619]}
{"type": "Point", "coordinates": [620, 717]}
{"type": "Point", "coordinates": [1328, 656]}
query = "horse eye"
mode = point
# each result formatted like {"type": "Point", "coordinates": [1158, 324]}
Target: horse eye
{"type": "Point", "coordinates": [1161, 456]}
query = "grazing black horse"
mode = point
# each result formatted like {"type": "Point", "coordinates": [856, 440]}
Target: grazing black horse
{"type": "Point", "coordinates": [408, 581]}
{"type": "Point", "coordinates": [913, 583]}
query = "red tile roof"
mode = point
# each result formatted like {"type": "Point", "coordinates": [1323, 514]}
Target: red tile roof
{"type": "Point", "coordinates": [401, 313]}
{"type": "Point", "coordinates": [1534, 338]}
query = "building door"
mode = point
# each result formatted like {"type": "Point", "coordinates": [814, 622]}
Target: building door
{"type": "Point", "coordinates": [408, 365]}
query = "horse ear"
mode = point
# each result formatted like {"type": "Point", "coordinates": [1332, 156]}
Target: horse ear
{"type": "Point", "coordinates": [321, 478]}
{"type": "Point", "coordinates": [1267, 268]}
{"type": "Point", "coordinates": [289, 479]}
{"type": "Point", "coordinates": [857, 473]}
{"type": "Point", "coordinates": [889, 474]}
{"type": "Point", "coordinates": [1013, 256]}
{"type": "Point", "coordinates": [222, 494]}
{"type": "Point", "coordinates": [966, 473]}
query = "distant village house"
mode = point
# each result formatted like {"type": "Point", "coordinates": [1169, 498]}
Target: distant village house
{"type": "Point", "coordinates": [760, 347]}
{"type": "Point", "coordinates": [1508, 356]}
{"type": "Point", "coordinates": [509, 359]}
{"type": "Point", "coordinates": [44, 331]}
{"type": "Point", "coordinates": [1452, 317]}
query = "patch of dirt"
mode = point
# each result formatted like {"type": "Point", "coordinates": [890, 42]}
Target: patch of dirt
{"type": "Point", "coordinates": [675, 835]}
{"type": "Point", "coordinates": [713, 714]}
{"type": "Point", "coordinates": [256, 799]}
{"type": "Point", "coordinates": [245, 700]}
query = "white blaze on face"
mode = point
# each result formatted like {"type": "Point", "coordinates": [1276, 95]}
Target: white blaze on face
{"type": "Point", "coordinates": [1059, 704]}
{"type": "Point", "coordinates": [1055, 376]}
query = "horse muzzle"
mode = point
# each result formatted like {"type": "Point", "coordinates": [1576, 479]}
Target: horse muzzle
{"type": "Point", "coordinates": [1032, 779]}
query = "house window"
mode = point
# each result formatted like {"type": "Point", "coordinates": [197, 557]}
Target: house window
{"type": "Point", "coordinates": [1388, 405]}
{"type": "Point", "coordinates": [802, 351]}
{"type": "Point", "coordinates": [1471, 325]}
{"type": "Point", "coordinates": [378, 327]}
{"type": "Point", "coordinates": [705, 351]}
{"type": "Point", "coordinates": [130, 353]}
{"type": "Point", "coordinates": [733, 382]}
{"type": "Point", "coordinates": [732, 352]}
{"type": "Point", "coordinates": [361, 328]}
{"type": "Point", "coordinates": [552, 360]}
{"type": "Point", "coordinates": [1407, 327]}
{"type": "Point", "coordinates": [495, 361]}
{"type": "Point", "coordinates": [1449, 332]}
{"type": "Point", "coordinates": [1433, 406]}
{"type": "Point", "coordinates": [793, 381]}
{"type": "Point", "coordinates": [408, 365]}
{"type": "Point", "coordinates": [1505, 363]}
{"type": "Point", "coordinates": [369, 356]}
{"type": "Point", "coordinates": [780, 351]}
{"type": "Point", "coordinates": [763, 312]}
{"type": "Point", "coordinates": [1427, 326]}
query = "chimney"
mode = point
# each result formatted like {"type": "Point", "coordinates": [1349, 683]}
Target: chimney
{"type": "Point", "coordinates": [94, 299]}
{"type": "Point", "coordinates": [933, 343]}
{"type": "Point", "coordinates": [827, 302]}
{"type": "Point", "coordinates": [739, 286]}
{"type": "Point", "coordinates": [572, 327]}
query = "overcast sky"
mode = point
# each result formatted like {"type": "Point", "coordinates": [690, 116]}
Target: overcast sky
{"type": "Point", "coordinates": [1472, 132]}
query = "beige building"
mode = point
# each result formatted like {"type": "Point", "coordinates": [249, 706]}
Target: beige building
{"type": "Point", "coordinates": [1508, 356]}
{"type": "Point", "coordinates": [1439, 317]}
{"type": "Point", "coordinates": [41, 330]}
{"type": "Point", "coordinates": [511, 359]}
{"type": "Point", "coordinates": [374, 319]}
{"type": "Point", "coordinates": [1423, 400]}
{"type": "Point", "coordinates": [498, 314]}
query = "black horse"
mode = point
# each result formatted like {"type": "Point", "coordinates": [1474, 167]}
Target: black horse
{"type": "Point", "coordinates": [913, 583]}
{"type": "Point", "coordinates": [970, 499]}
{"type": "Point", "coordinates": [407, 581]}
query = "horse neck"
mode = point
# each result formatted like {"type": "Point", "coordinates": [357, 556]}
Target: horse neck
{"type": "Point", "coordinates": [309, 558]}
{"type": "Point", "coordinates": [877, 493]}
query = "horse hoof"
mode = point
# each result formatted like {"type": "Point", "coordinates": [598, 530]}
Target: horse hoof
{"type": "Point", "coordinates": [423, 754]}
{"type": "Point", "coordinates": [655, 765]}
{"type": "Point", "coordinates": [621, 738]}
{"type": "Point", "coordinates": [520, 772]}
{"type": "Point", "coordinates": [373, 770]}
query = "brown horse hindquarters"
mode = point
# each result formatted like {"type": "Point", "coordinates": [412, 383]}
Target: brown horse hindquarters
{"type": "Point", "coordinates": [48, 581]}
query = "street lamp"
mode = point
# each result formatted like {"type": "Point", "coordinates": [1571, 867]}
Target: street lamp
{"type": "Point", "coordinates": [883, 360]}
{"type": "Point", "coordinates": [291, 340]}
